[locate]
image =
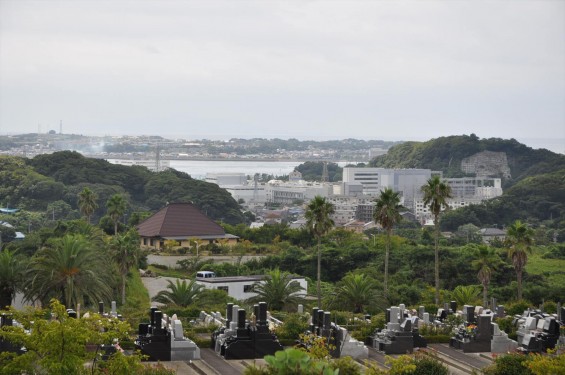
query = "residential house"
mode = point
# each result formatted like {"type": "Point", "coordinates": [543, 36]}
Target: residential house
{"type": "Point", "coordinates": [183, 223]}
{"type": "Point", "coordinates": [490, 234]}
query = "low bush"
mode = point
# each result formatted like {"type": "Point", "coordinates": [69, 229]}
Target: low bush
{"type": "Point", "coordinates": [437, 339]}
{"type": "Point", "coordinates": [294, 324]}
{"type": "Point", "coordinates": [517, 307]}
{"type": "Point", "coordinates": [514, 364]}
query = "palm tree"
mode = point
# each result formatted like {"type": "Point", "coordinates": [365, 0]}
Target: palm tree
{"type": "Point", "coordinates": [87, 203]}
{"type": "Point", "coordinates": [485, 263]}
{"type": "Point", "coordinates": [116, 206]}
{"type": "Point", "coordinates": [355, 291]}
{"type": "Point", "coordinates": [519, 239]}
{"type": "Point", "coordinates": [125, 251]}
{"type": "Point", "coordinates": [278, 290]}
{"type": "Point", "coordinates": [466, 294]}
{"type": "Point", "coordinates": [319, 223]}
{"type": "Point", "coordinates": [12, 271]}
{"type": "Point", "coordinates": [387, 214]}
{"type": "Point", "coordinates": [180, 293]}
{"type": "Point", "coordinates": [71, 270]}
{"type": "Point", "coordinates": [436, 194]}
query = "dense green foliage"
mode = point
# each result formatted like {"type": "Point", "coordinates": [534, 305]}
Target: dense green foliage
{"type": "Point", "coordinates": [35, 184]}
{"type": "Point", "coordinates": [312, 171]}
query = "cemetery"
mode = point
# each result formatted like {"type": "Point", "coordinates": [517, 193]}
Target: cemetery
{"type": "Point", "coordinates": [238, 338]}
{"type": "Point", "coordinates": [162, 339]}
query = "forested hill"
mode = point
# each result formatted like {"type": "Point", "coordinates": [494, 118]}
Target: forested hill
{"type": "Point", "coordinates": [55, 180]}
{"type": "Point", "coordinates": [446, 153]}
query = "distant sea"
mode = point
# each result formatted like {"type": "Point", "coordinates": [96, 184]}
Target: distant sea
{"type": "Point", "coordinates": [198, 168]}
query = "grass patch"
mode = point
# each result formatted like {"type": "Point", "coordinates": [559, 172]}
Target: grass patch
{"type": "Point", "coordinates": [552, 269]}
{"type": "Point", "coordinates": [136, 308]}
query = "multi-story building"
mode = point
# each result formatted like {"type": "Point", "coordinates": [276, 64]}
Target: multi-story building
{"type": "Point", "coordinates": [407, 182]}
{"type": "Point", "coordinates": [346, 207]}
{"type": "Point", "coordinates": [464, 191]}
{"type": "Point", "coordinates": [291, 192]}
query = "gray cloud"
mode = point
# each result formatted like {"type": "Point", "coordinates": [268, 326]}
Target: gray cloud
{"type": "Point", "coordinates": [307, 69]}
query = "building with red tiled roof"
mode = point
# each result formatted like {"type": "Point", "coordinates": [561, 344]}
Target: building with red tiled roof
{"type": "Point", "coordinates": [181, 222]}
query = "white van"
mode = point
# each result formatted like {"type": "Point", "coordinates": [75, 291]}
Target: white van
{"type": "Point", "coordinates": [205, 274]}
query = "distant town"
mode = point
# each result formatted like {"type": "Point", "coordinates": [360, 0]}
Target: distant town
{"type": "Point", "coordinates": [155, 147]}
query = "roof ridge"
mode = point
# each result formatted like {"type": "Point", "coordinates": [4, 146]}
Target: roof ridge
{"type": "Point", "coordinates": [166, 209]}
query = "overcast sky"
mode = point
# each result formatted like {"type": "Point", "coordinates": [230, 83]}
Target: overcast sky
{"type": "Point", "coordinates": [395, 70]}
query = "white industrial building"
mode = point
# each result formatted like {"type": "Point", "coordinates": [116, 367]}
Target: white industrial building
{"type": "Point", "coordinates": [363, 182]}
{"type": "Point", "coordinates": [406, 181]}
{"type": "Point", "coordinates": [251, 192]}
{"type": "Point", "coordinates": [241, 287]}
{"type": "Point", "coordinates": [282, 192]}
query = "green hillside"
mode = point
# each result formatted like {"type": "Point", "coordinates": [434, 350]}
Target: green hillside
{"type": "Point", "coordinates": [445, 154]}
{"type": "Point", "coordinates": [534, 193]}
{"type": "Point", "coordinates": [53, 182]}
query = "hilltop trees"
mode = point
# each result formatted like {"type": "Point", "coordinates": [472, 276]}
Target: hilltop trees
{"type": "Point", "coordinates": [319, 223]}
{"type": "Point", "coordinates": [387, 214]}
{"type": "Point", "coordinates": [519, 239]}
{"type": "Point", "coordinates": [436, 194]}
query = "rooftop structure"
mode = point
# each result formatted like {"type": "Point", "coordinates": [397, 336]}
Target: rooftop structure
{"type": "Point", "coordinates": [181, 222]}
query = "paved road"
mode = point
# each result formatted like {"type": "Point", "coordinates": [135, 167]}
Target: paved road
{"type": "Point", "coordinates": [155, 284]}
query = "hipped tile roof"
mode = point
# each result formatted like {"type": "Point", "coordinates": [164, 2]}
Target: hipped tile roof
{"type": "Point", "coordinates": [179, 219]}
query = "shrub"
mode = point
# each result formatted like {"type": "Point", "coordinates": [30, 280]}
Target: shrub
{"type": "Point", "coordinates": [294, 325]}
{"type": "Point", "coordinates": [550, 307]}
{"type": "Point", "coordinates": [438, 339]}
{"type": "Point", "coordinates": [506, 325]}
{"type": "Point", "coordinates": [346, 366]}
{"type": "Point", "coordinates": [517, 307]}
{"type": "Point", "coordinates": [429, 364]}
{"type": "Point", "coordinates": [508, 364]}
{"type": "Point", "coordinates": [547, 364]}
{"type": "Point", "coordinates": [294, 361]}
{"type": "Point", "coordinates": [362, 329]}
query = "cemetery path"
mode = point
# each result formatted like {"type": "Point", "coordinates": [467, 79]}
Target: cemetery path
{"type": "Point", "coordinates": [471, 360]}
{"type": "Point", "coordinates": [179, 367]}
{"type": "Point", "coordinates": [218, 363]}
{"type": "Point", "coordinates": [155, 284]}
{"type": "Point", "coordinates": [378, 357]}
